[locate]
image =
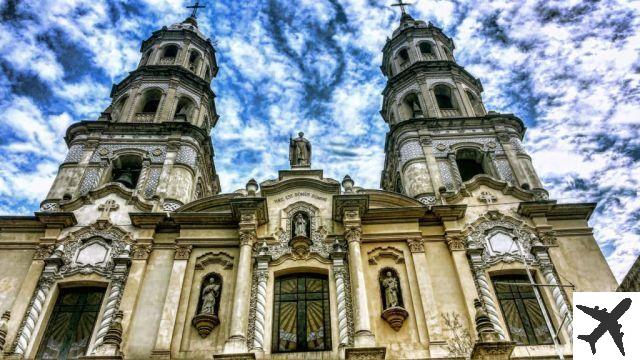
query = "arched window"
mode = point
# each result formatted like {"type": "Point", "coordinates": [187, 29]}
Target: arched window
{"type": "Point", "coordinates": [475, 103]}
{"type": "Point", "coordinates": [521, 310]}
{"type": "Point", "coordinates": [471, 162]}
{"type": "Point", "coordinates": [443, 97]}
{"type": "Point", "coordinates": [71, 324]}
{"type": "Point", "coordinates": [126, 170]}
{"type": "Point", "coordinates": [426, 49]}
{"type": "Point", "coordinates": [403, 56]}
{"type": "Point", "coordinates": [301, 314]}
{"type": "Point", "coordinates": [184, 109]}
{"type": "Point", "coordinates": [412, 106]}
{"type": "Point", "coordinates": [148, 105]}
{"type": "Point", "coordinates": [194, 61]}
{"type": "Point", "coordinates": [169, 54]}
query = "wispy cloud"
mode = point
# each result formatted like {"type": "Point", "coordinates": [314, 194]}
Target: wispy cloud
{"type": "Point", "coordinates": [570, 69]}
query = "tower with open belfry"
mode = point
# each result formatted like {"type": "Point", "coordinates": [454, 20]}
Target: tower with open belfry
{"type": "Point", "coordinates": [136, 253]}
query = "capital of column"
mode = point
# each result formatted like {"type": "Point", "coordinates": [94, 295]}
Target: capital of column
{"type": "Point", "coordinates": [247, 237]}
{"type": "Point", "coordinates": [182, 251]}
{"type": "Point", "coordinates": [455, 241]}
{"type": "Point", "coordinates": [353, 234]}
{"type": "Point", "coordinates": [141, 251]}
{"type": "Point", "coordinates": [416, 245]}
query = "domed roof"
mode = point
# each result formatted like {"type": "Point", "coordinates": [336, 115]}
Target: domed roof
{"type": "Point", "coordinates": [189, 23]}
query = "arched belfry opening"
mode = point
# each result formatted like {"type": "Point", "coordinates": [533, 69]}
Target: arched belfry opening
{"type": "Point", "coordinates": [471, 162]}
{"type": "Point", "coordinates": [126, 170]}
{"type": "Point", "coordinates": [475, 103]}
{"type": "Point", "coordinates": [412, 106]}
{"type": "Point", "coordinates": [169, 55]}
{"type": "Point", "coordinates": [184, 109]}
{"type": "Point", "coordinates": [194, 61]}
{"type": "Point", "coordinates": [426, 49]}
{"type": "Point", "coordinates": [444, 97]}
{"type": "Point", "coordinates": [148, 105]}
{"type": "Point", "coordinates": [403, 57]}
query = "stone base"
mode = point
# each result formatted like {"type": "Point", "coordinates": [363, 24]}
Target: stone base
{"type": "Point", "coordinates": [395, 316]}
{"type": "Point", "coordinates": [161, 354]}
{"type": "Point", "coordinates": [494, 350]}
{"type": "Point", "coordinates": [243, 356]}
{"type": "Point", "coordinates": [102, 357]}
{"type": "Point", "coordinates": [368, 353]}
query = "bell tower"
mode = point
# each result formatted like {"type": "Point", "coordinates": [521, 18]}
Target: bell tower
{"type": "Point", "coordinates": [441, 138]}
{"type": "Point", "coordinates": [152, 144]}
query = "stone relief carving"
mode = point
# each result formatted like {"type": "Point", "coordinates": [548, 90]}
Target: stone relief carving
{"type": "Point", "coordinates": [211, 258]}
{"type": "Point", "coordinates": [459, 343]}
{"type": "Point", "coordinates": [141, 251]}
{"type": "Point", "coordinates": [316, 233]}
{"type": "Point", "coordinates": [156, 153]}
{"type": "Point", "coordinates": [443, 147]}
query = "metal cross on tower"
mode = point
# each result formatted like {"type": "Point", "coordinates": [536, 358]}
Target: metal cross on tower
{"type": "Point", "coordinates": [195, 8]}
{"type": "Point", "coordinates": [402, 5]}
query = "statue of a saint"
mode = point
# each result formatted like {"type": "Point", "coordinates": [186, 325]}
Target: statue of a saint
{"type": "Point", "coordinates": [300, 228]}
{"type": "Point", "coordinates": [299, 151]}
{"type": "Point", "coordinates": [209, 296]}
{"type": "Point", "coordinates": [390, 285]}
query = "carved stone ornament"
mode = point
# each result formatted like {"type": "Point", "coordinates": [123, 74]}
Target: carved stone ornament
{"type": "Point", "coordinates": [353, 234]}
{"type": "Point", "coordinates": [314, 231]}
{"type": "Point", "coordinates": [365, 353]}
{"type": "Point", "coordinates": [43, 252]}
{"type": "Point", "coordinates": [205, 323]}
{"type": "Point", "coordinates": [182, 252]}
{"type": "Point", "coordinates": [487, 197]}
{"type": "Point", "coordinates": [207, 317]}
{"type": "Point", "coordinates": [141, 251]}
{"type": "Point", "coordinates": [4, 320]}
{"type": "Point", "coordinates": [247, 237]}
{"type": "Point", "coordinates": [395, 316]}
{"type": "Point", "coordinates": [416, 245]}
{"type": "Point", "coordinates": [454, 242]}
{"type": "Point", "coordinates": [500, 237]}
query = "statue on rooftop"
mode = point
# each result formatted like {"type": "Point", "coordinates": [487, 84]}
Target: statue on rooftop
{"type": "Point", "coordinates": [299, 151]}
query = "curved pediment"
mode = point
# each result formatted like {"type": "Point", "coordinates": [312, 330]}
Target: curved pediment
{"type": "Point", "coordinates": [214, 203]}
{"type": "Point", "coordinates": [110, 188]}
{"type": "Point", "coordinates": [506, 188]}
{"type": "Point", "coordinates": [382, 199]}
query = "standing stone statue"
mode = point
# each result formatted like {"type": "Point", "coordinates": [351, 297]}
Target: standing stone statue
{"type": "Point", "coordinates": [390, 284]}
{"type": "Point", "coordinates": [300, 228]}
{"type": "Point", "coordinates": [209, 296]}
{"type": "Point", "coordinates": [299, 151]}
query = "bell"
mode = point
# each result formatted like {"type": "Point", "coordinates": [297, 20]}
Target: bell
{"type": "Point", "coordinates": [417, 111]}
{"type": "Point", "coordinates": [126, 178]}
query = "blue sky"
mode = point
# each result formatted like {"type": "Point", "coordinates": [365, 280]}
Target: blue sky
{"type": "Point", "coordinates": [570, 69]}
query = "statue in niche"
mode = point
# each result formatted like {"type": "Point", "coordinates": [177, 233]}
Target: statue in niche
{"type": "Point", "coordinates": [390, 284]}
{"type": "Point", "coordinates": [392, 306]}
{"type": "Point", "coordinates": [299, 151]}
{"type": "Point", "coordinates": [300, 225]}
{"type": "Point", "coordinates": [209, 302]}
{"type": "Point", "coordinates": [210, 293]}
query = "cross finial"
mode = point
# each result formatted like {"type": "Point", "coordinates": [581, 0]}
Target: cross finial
{"type": "Point", "coordinates": [195, 8]}
{"type": "Point", "coordinates": [402, 5]}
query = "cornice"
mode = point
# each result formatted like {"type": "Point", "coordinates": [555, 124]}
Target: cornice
{"type": "Point", "coordinates": [254, 204]}
{"type": "Point", "coordinates": [347, 201]}
{"type": "Point", "coordinates": [553, 211]}
{"type": "Point", "coordinates": [430, 66]}
{"type": "Point", "coordinates": [57, 219]}
{"type": "Point", "coordinates": [21, 224]}
{"type": "Point", "coordinates": [166, 71]}
{"type": "Point", "coordinates": [273, 187]}
{"type": "Point", "coordinates": [449, 212]}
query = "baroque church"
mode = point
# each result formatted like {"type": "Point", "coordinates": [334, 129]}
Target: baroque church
{"type": "Point", "coordinates": [136, 254]}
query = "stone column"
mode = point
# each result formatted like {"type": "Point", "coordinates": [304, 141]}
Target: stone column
{"type": "Point", "coordinates": [425, 287]}
{"type": "Point", "coordinates": [162, 348]}
{"type": "Point", "coordinates": [547, 269]}
{"type": "Point", "coordinates": [117, 283]}
{"type": "Point", "coordinates": [485, 291]}
{"type": "Point", "coordinates": [363, 336]}
{"type": "Point", "coordinates": [340, 274]}
{"type": "Point", "coordinates": [432, 163]}
{"type": "Point", "coordinates": [52, 264]}
{"type": "Point", "coordinates": [237, 342]}
{"type": "Point", "coordinates": [454, 170]}
{"type": "Point", "coordinates": [262, 276]}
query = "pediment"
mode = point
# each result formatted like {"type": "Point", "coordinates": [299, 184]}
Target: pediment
{"type": "Point", "coordinates": [475, 185]}
{"type": "Point", "coordinates": [104, 191]}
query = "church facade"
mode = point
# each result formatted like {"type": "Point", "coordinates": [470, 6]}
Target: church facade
{"type": "Point", "coordinates": [136, 254]}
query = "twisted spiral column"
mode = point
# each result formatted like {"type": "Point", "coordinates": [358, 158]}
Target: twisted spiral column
{"type": "Point", "coordinates": [487, 299]}
{"type": "Point", "coordinates": [558, 297]}
{"type": "Point", "coordinates": [343, 324]}
{"type": "Point", "coordinates": [109, 311]}
{"type": "Point", "coordinates": [261, 309]}
{"type": "Point", "coordinates": [32, 317]}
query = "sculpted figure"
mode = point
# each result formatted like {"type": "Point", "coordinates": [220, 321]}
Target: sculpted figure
{"type": "Point", "coordinates": [390, 290]}
{"type": "Point", "coordinates": [209, 296]}
{"type": "Point", "coordinates": [299, 151]}
{"type": "Point", "coordinates": [300, 225]}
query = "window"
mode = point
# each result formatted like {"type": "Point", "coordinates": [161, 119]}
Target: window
{"type": "Point", "coordinates": [71, 325]}
{"type": "Point", "coordinates": [404, 56]}
{"type": "Point", "coordinates": [521, 310]}
{"type": "Point", "coordinates": [126, 170]}
{"type": "Point", "coordinates": [426, 49]}
{"type": "Point", "coordinates": [148, 105]}
{"type": "Point", "coordinates": [443, 97]}
{"type": "Point", "coordinates": [301, 314]}
{"type": "Point", "coordinates": [194, 61]}
{"type": "Point", "coordinates": [413, 106]}
{"type": "Point", "coordinates": [170, 51]}
{"type": "Point", "coordinates": [471, 162]}
{"type": "Point", "coordinates": [183, 109]}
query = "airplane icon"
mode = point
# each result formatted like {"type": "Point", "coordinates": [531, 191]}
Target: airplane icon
{"type": "Point", "coordinates": [608, 323]}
